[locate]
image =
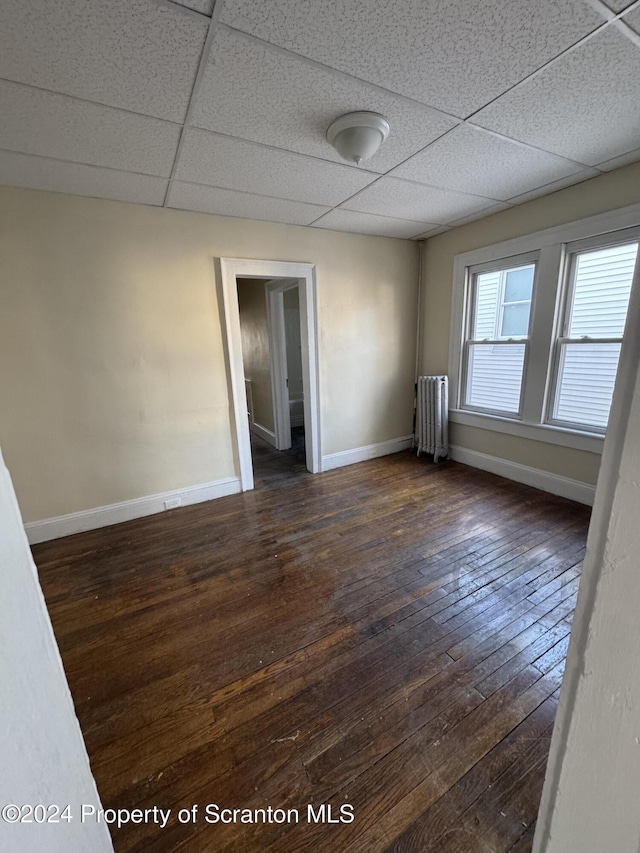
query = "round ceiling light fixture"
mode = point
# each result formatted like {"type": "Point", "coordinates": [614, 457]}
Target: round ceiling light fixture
{"type": "Point", "coordinates": [358, 136]}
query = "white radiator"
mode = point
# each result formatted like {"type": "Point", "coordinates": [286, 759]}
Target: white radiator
{"type": "Point", "coordinates": [432, 416]}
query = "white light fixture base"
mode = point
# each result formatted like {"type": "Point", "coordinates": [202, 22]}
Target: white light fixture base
{"type": "Point", "coordinates": [358, 136]}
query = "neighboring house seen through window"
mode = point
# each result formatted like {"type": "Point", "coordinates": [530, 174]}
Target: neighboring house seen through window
{"type": "Point", "coordinates": [588, 350]}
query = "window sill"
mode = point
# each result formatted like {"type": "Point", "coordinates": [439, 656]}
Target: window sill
{"type": "Point", "coordinates": [591, 442]}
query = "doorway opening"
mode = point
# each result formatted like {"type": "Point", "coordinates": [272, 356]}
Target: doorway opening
{"type": "Point", "coordinates": [271, 340]}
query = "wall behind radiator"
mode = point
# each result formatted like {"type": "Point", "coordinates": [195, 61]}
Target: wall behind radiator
{"type": "Point", "coordinates": [113, 383]}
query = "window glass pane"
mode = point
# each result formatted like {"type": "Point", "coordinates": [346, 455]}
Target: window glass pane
{"type": "Point", "coordinates": [487, 292]}
{"type": "Point", "coordinates": [601, 291]}
{"type": "Point", "coordinates": [519, 285]}
{"type": "Point", "coordinates": [515, 320]}
{"type": "Point", "coordinates": [494, 376]}
{"type": "Point", "coordinates": [495, 289]}
{"type": "Point", "coordinates": [586, 376]}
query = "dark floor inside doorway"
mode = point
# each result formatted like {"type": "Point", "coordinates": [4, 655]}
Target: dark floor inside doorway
{"type": "Point", "coordinates": [274, 468]}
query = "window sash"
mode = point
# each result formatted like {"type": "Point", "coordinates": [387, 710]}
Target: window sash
{"type": "Point", "coordinates": [469, 339]}
{"type": "Point", "coordinates": [502, 269]}
{"type": "Point", "coordinates": [504, 305]}
{"type": "Point", "coordinates": [503, 302]}
{"type": "Point", "coordinates": [566, 300]}
{"type": "Point", "coordinates": [554, 389]}
{"type": "Point", "coordinates": [569, 286]}
{"type": "Point", "coordinates": [503, 413]}
{"type": "Point", "coordinates": [554, 401]}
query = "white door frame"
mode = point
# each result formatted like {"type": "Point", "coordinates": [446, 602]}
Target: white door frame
{"type": "Point", "coordinates": [230, 270]}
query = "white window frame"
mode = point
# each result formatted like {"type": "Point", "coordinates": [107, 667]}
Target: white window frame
{"type": "Point", "coordinates": [554, 247]}
{"type": "Point", "coordinates": [604, 241]}
{"type": "Point", "coordinates": [470, 301]}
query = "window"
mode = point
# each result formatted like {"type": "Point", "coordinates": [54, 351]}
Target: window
{"type": "Point", "coordinates": [497, 343]}
{"type": "Point", "coordinates": [516, 302]}
{"type": "Point", "coordinates": [588, 350]}
{"type": "Point", "coordinates": [537, 330]}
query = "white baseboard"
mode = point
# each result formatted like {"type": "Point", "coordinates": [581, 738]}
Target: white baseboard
{"type": "Point", "coordinates": [263, 432]}
{"type": "Point", "coordinates": [102, 516]}
{"type": "Point", "coordinates": [565, 487]}
{"type": "Point", "coordinates": [369, 451]}
{"type": "Point", "coordinates": [297, 420]}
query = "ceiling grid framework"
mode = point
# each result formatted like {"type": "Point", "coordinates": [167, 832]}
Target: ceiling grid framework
{"type": "Point", "coordinates": [202, 64]}
{"type": "Point", "coordinates": [223, 107]}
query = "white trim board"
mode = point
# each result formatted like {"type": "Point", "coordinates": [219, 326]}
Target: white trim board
{"type": "Point", "coordinates": [369, 451]}
{"type": "Point", "coordinates": [565, 487]}
{"type": "Point", "coordinates": [266, 434]}
{"type": "Point", "coordinates": [567, 232]}
{"type": "Point", "coordinates": [103, 516]}
{"type": "Point", "coordinates": [536, 432]}
{"type": "Point", "coordinates": [229, 269]}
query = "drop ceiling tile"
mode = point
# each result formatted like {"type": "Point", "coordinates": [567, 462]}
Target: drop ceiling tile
{"type": "Point", "coordinates": [221, 161]}
{"type": "Point", "coordinates": [456, 55]}
{"type": "Point", "coordinates": [480, 214]}
{"type": "Point", "coordinates": [584, 106]}
{"type": "Point", "coordinates": [134, 54]}
{"type": "Point", "coordinates": [366, 223]}
{"type": "Point", "coordinates": [474, 161]}
{"type": "Point", "coordinates": [204, 6]}
{"type": "Point", "coordinates": [42, 173]}
{"type": "Point", "coordinates": [633, 19]}
{"type": "Point", "coordinates": [554, 186]}
{"type": "Point", "coordinates": [51, 125]}
{"type": "Point", "coordinates": [244, 205]}
{"type": "Point", "coordinates": [405, 200]}
{"type": "Point", "coordinates": [622, 160]}
{"type": "Point", "coordinates": [618, 5]}
{"type": "Point", "coordinates": [255, 92]}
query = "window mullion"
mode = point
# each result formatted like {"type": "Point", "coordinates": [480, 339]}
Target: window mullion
{"type": "Point", "coordinates": [500, 306]}
{"type": "Point", "coordinates": [541, 338]}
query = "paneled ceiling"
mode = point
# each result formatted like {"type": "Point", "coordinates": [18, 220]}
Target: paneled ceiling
{"type": "Point", "coordinates": [223, 107]}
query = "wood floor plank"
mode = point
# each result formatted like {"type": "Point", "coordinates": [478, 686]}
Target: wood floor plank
{"type": "Point", "coordinates": [425, 833]}
{"type": "Point", "coordinates": [391, 635]}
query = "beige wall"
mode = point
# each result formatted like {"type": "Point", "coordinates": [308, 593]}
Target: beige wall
{"type": "Point", "coordinates": [606, 192]}
{"type": "Point", "coordinates": [295, 384]}
{"type": "Point", "coordinates": [254, 329]}
{"type": "Point", "coordinates": [113, 382]}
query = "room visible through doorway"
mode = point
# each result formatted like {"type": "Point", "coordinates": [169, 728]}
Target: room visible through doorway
{"type": "Point", "coordinates": [272, 358]}
{"type": "Point", "coordinates": [271, 332]}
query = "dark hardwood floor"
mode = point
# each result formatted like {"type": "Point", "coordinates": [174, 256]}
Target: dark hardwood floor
{"type": "Point", "coordinates": [275, 469]}
{"type": "Point", "coordinates": [389, 635]}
